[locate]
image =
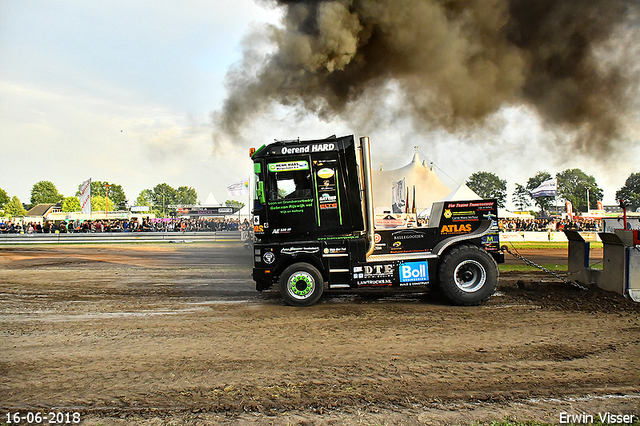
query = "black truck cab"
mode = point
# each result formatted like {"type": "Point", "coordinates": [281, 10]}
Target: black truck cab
{"type": "Point", "coordinates": [313, 224]}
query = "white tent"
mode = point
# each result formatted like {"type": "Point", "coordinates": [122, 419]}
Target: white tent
{"type": "Point", "coordinates": [462, 192]}
{"type": "Point", "coordinates": [211, 201]}
{"type": "Point", "coordinates": [429, 187]}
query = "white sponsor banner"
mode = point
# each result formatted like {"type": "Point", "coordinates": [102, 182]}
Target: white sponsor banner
{"type": "Point", "coordinates": [511, 236]}
{"type": "Point", "coordinates": [85, 197]}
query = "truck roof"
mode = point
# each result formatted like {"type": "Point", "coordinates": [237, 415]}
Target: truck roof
{"type": "Point", "coordinates": [291, 147]}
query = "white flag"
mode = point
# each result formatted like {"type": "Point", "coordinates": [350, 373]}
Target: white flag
{"type": "Point", "coordinates": [85, 197]}
{"type": "Point", "coordinates": [397, 196]}
{"type": "Point", "coordinates": [238, 188]}
{"type": "Point", "coordinates": [548, 188]}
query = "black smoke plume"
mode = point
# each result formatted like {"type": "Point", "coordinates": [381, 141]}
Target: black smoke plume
{"type": "Point", "coordinates": [453, 62]}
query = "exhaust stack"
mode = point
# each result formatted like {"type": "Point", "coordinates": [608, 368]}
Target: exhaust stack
{"type": "Point", "coordinates": [368, 193]}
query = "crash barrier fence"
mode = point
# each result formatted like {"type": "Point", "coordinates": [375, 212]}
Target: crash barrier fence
{"type": "Point", "coordinates": [115, 237]}
{"type": "Point", "coordinates": [121, 237]}
{"type": "Point", "coordinates": [544, 236]}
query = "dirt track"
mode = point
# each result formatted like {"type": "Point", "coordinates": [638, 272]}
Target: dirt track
{"type": "Point", "coordinates": [159, 334]}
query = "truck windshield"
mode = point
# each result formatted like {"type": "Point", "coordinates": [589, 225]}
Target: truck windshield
{"type": "Point", "coordinates": [290, 185]}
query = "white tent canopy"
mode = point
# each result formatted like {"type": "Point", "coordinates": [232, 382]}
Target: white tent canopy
{"type": "Point", "coordinates": [462, 192]}
{"type": "Point", "coordinates": [210, 201]}
{"type": "Point", "coordinates": [429, 187]}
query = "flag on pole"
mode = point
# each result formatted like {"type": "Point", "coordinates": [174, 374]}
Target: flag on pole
{"type": "Point", "coordinates": [548, 188]}
{"type": "Point", "coordinates": [85, 197]}
{"type": "Point", "coordinates": [238, 188]}
{"type": "Point", "coordinates": [406, 207]}
{"type": "Point", "coordinates": [569, 208]}
{"type": "Point", "coordinates": [413, 206]}
{"type": "Point", "coordinates": [397, 196]}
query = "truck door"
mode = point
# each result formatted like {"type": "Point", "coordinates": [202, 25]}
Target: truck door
{"type": "Point", "coordinates": [290, 198]}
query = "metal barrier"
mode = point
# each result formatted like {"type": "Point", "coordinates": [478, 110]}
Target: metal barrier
{"type": "Point", "coordinates": [118, 237]}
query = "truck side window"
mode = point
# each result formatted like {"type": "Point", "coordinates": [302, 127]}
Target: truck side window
{"type": "Point", "coordinates": [290, 185]}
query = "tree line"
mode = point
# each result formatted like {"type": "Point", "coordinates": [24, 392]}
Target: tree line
{"type": "Point", "coordinates": [573, 186]}
{"type": "Point", "coordinates": [103, 194]}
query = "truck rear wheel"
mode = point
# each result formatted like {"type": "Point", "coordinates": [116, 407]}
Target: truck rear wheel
{"type": "Point", "coordinates": [301, 284]}
{"type": "Point", "coordinates": [467, 275]}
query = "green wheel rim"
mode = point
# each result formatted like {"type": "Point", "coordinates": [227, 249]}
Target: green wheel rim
{"type": "Point", "coordinates": [301, 285]}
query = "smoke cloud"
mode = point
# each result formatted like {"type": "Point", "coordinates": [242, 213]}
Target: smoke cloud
{"type": "Point", "coordinates": [453, 63]}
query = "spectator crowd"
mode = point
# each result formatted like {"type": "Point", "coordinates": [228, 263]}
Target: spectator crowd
{"type": "Point", "coordinates": [222, 224]}
{"type": "Point", "coordinates": [124, 225]}
{"type": "Point", "coordinates": [549, 225]}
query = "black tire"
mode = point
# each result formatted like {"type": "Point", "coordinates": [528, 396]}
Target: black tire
{"type": "Point", "coordinates": [467, 275]}
{"type": "Point", "coordinates": [301, 284]}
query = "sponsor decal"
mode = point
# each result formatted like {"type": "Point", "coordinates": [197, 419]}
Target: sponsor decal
{"type": "Point", "coordinates": [377, 238]}
{"type": "Point", "coordinates": [455, 229]}
{"type": "Point", "coordinates": [326, 206]}
{"type": "Point", "coordinates": [325, 173]}
{"type": "Point", "coordinates": [374, 274]}
{"type": "Point", "coordinates": [281, 231]}
{"type": "Point", "coordinates": [447, 213]}
{"type": "Point", "coordinates": [256, 220]}
{"type": "Point", "coordinates": [305, 149]}
{"type": "Point", "coordinates": [294, 250]}
{"type": "Point", "coordinates": [291, 206]}
{"type": "Point", "coordinates": [288, 166]}
{"type": "Point", "coordinates": [258, 229]}
{"type": "Point", "coordinates": [381, 282]}
{"type": "Point", "coordinates": [407, 235]}
{"type": "Point", "coordinates": [376, 271]}
{"type": "Point", "coordinates": [397, 245]}
{"type": "Point", "coordinates": [268, 257]}
{"type": "Point", "coordinates": [489, 239]}
{"type": "Point", "coordinates": [335, 250]}
{"type": "Point", "coordinates": [479, 205]}
{"type": "Point", "coordinates": [414, 272]}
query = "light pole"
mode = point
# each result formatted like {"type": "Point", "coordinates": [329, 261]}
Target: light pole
{"type": "Point", "coordinates": [106, 202]}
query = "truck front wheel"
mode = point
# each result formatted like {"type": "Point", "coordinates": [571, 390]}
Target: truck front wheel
{"type": "Point", "coordinates": [301, 284]}
{"type": "Point", "coordinates": [467, 275]}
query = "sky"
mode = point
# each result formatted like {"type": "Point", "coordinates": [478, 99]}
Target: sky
{"type": "Point", "coordinates": [125, 91]}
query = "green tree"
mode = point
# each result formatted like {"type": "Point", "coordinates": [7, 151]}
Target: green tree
{"type": "Point", "coordinates": [162, 196]}
{"type": "Point", "coordinates": [489, 185]}
{"type": "Point", "coordinates": [234, 203]}
{"type": "Point", "coordinates": [71, 204]}
{"type": "Point", "coordinates": [186, 195]}
{"type": "Point", "coordinates": [145, 198]}
{"type": "Point", "coordinates": [573, 185]}
{"type": "Point", "coordinates": [116, 193]}
{"type": "Point", "coordinates": [4, 198]}
{"type": "Point", "coordinates": [521, 197]}
{"type": "Point", "coordinates": [45, 192]}
{"type": "Point", "coordinates": [98, 202]}
{"type": "Point", "coordinates": [14, 207]}
{"type": "Point", "coordinates": [630, 192]}
{"type": "Point", "coordinates": [545, 203]}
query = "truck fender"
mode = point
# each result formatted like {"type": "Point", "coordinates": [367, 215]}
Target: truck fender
{"type": "Point", "coordinates": [296, 258]}
{"type": "Point", "coordinates": [484, 229]}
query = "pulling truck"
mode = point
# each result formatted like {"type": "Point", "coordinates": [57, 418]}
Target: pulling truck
{"type": "Point", "coordinates": [313, 220]}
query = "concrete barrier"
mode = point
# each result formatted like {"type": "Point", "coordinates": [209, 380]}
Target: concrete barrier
{"type": "Point", "coordinates": [118, 237]}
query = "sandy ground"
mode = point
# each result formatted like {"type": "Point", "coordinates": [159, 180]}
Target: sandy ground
{"type": "Point", "coordinates": [156, 334]}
